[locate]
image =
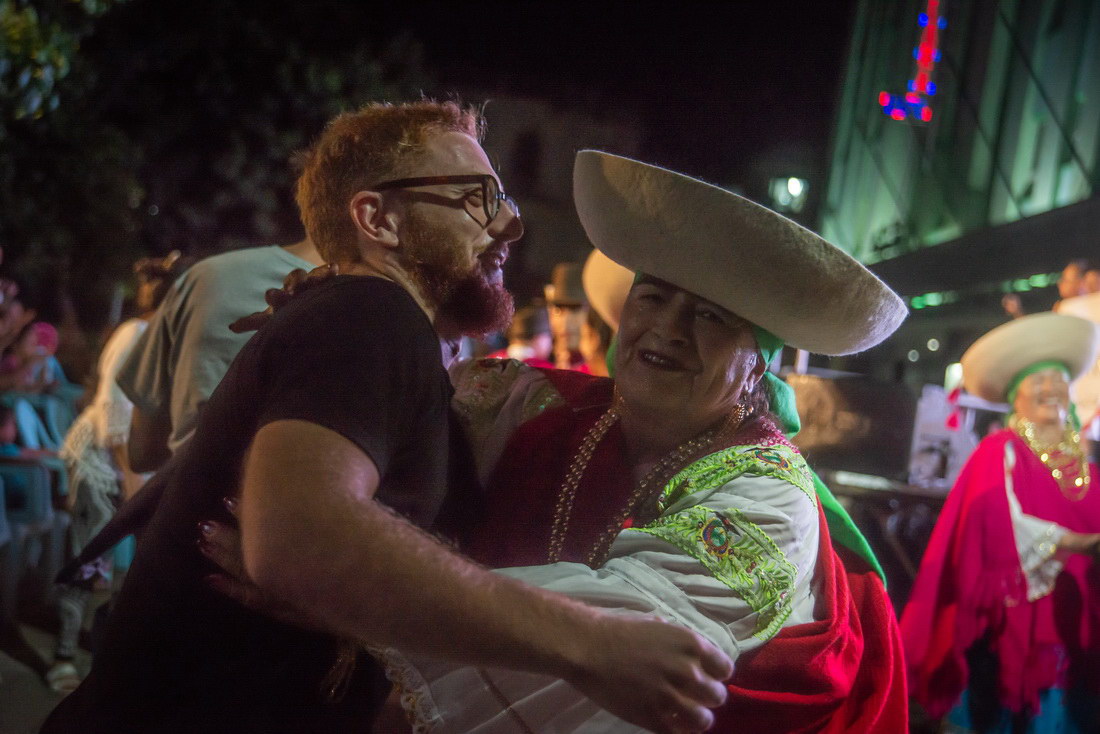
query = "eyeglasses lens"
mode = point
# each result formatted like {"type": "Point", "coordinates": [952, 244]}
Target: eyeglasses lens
{"type": "Point", "coordinates": [492, 198]}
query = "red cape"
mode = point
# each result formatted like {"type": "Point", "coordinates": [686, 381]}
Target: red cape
{"type": "Point", "coordinates": [970, 586]}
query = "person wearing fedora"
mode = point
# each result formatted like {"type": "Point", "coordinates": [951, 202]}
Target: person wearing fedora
{"type": "Point", "coordinates": [567, 306]}
{"type": "Point", "coordinates": [1002, 630]}
{"type": "Point", "coordinates": [529, 339]}
{"type": "Point", "coordinates": [673, 489]}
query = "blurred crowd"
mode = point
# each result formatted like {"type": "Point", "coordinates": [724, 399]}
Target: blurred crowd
{"type": "Point", "coordinates": [63, 458]}
{"type": "Point", "coordinates": [1080, 277]}
{"type": "Point", "coordinates": [561, 330]}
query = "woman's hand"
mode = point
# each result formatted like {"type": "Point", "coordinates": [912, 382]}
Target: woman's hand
{"type": "Point", "coordinates": [221, 544]}
{"type": "Point", "coordinates": [296, 281]}
{"type": "Point", "coordinates": [1088, 543]}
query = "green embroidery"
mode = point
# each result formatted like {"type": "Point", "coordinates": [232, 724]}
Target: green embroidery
{"type": "Point", "coordinates": [711, 472]}
{"type": "Point", "coordinates": [739, 554]}
{"type": "Point", "coordinates": [734, 549]}
{"type": "Point", "coordinates": [542, 397]}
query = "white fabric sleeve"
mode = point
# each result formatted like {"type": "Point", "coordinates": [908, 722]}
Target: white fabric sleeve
{"type": "Point", "coordinates": [111, 409]}
{"type": "Point", "coordinates": [644, 575]}
{"type": "Point", "coordinates": [146, 375]}
{"type": "Point", "coordinates": [1036, 540]}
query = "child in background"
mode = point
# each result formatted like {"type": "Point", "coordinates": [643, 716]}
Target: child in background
{"type": "Point", "coordinates": [29, 365]}
{"type": "Point", "coordinates": [9, 434]}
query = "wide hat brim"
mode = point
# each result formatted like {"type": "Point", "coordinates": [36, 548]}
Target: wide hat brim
{"type": "Point", "coordinates": [736, 253]}
{"type": "Point", "coordinates": [994, 361]}
{"type": "Point", "coordinates": [607, 284]}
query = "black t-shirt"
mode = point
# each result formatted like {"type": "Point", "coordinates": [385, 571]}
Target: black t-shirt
{"type": "Point", "coordinates": [355, 355]}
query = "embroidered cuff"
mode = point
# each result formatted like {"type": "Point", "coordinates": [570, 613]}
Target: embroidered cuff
{"type": "Point", "coordinates": [412, 690]}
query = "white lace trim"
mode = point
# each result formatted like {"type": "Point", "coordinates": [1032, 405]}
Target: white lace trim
{"type": "Point", "coordinates": [1039, 564]}
{"type": "Point", "coordinates": [1036, 540]}
{"type": "Point", "coordinates": [413, 691]}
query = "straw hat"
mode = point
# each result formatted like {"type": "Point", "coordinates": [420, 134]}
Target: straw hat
{"type": "Point", "coordinates": [992, 362]}
{"type": "Point", "coordinates": [607, 285]}
{"type": "Point", "coordinates": [729, 250]}
{"type": "Point", "coordinates": [1086, 306]}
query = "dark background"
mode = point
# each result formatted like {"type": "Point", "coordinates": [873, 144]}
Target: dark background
{"type": "Point", "coordinates": [138, 127]}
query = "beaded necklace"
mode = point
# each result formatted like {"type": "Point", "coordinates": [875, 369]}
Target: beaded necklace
{"type": "Point", "coordinates": [1065, 459]}
{"type": "Point", "coordinates": [662, 470]}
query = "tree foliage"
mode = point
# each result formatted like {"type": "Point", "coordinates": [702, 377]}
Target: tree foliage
{"type": "Point", "coordinates": [168, 125]}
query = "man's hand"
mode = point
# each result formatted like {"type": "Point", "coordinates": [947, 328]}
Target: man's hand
{"type": "Point", "coordinates": [660, 676]}
{"type": "Point", "coordinates": [296, 281]}
{"type": "Point", "coordinates": [657, 675]}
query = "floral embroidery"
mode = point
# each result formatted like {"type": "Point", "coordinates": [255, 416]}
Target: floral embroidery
{"type": "Point", "coordinates": [777, 461]}
{"type": "Point", "coordinates": [739, 554]}
{"type": "Point", "coordinates": [542, 397]}
{"type": "Point", "coordinates": [483, 387]}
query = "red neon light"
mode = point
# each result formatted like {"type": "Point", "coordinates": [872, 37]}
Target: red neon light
{"type": "Point", "coordinates": [927, 53]}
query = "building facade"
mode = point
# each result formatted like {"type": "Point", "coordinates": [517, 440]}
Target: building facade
{"type": "Point", "coordinates": [965, 159]}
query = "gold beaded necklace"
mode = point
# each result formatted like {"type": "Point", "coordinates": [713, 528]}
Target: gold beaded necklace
{"type": "Point", "coordinates": [1065, 459]}
{"type": "Point", "coordinates": [662, 470]}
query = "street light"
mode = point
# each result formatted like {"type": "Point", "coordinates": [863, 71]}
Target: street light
{"type": "Point", "coordinates": [788, 193]}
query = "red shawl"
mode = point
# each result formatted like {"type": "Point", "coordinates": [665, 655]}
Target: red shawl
{"type": "Point", "coordinates": [841, 674]}
{"type": "Point", "coordinates": [971, 586]}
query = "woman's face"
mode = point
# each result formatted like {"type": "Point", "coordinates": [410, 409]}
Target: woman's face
{"type": "Point", "coordinates": [1043, 398]}
{"type": "Point", "coordinates": [682, 358]}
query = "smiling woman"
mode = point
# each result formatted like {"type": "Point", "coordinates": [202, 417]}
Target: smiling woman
{"type": "Point", "coordinates": [684, 363]}
{"type": "Point", "coordinates": [673, 490]}
{"type": "Point", "coordinates": [1006, 598]}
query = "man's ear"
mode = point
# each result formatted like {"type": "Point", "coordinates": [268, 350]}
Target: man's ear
{"type": "Point", "coordinates": [372, 220]}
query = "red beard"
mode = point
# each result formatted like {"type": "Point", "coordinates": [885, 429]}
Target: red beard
{"type": "Point", "coordinates": [467, 297]}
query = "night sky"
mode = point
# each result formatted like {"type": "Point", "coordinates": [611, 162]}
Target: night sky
{"type": "Point", "coordinates": [720, 84]}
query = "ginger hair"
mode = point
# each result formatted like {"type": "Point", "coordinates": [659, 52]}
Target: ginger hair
{"type": "Point", "coordinates": [360, 149]}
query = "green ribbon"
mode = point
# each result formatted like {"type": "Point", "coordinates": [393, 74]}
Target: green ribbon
{"type": "Point", "coordinates": [781, 397]}
{"type": "Point", "coordinates": [1049, 364]}
{"type": "Point", "coordinates": [780, 394]}
{"type": "Point", "coordinates": [1014, 387]}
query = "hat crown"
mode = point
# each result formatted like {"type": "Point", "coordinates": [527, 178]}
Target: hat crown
{"type": "Point", "coordinates": [998, 356]}
{"type": "Point", "coordinates": [565, 287]}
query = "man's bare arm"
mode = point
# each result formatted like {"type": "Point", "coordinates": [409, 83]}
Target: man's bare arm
{"type": "Point", "coordinates": [148, 442]}
{"type": "Point", "coordinates": [313, 535]}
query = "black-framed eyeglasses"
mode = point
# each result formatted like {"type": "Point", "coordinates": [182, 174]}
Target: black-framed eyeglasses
{"type": "Point", "coordinates": [491, 195]}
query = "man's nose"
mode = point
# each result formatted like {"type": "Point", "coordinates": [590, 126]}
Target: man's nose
{"type": "Point", "coordinates": [507, 225]}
